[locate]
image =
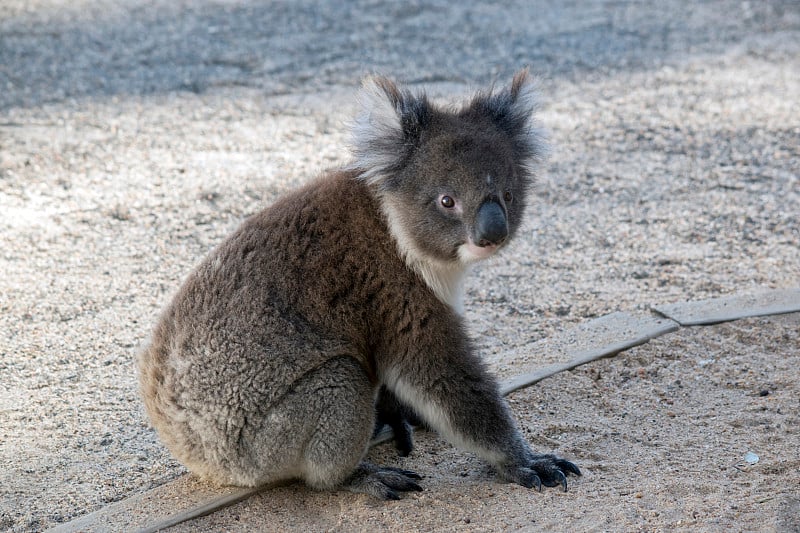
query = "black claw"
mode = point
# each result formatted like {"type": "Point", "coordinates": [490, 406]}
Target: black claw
{"type": "Point", "coordinates": [529, 479]}
{"type": "Point", "coordinates": [552, 478]}
{"type": "Point", "coordinates": [553, 470]}
{"type": "Point", "coordinates": [409, 473]}
{"type": "Point", "coordinates": [402, 484]}
{"type": "Point", "coordinates": [413, 486]}
{"type": "Point", "coordinates": [562, 478]}
{"type": "Point", "coordinates": [391, 495]}
{"type": "Point", "coordinates": [568, 467]}
{"type": "Point", "coordinates": [399, 479]}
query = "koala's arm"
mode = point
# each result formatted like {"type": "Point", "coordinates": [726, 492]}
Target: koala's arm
{"type": "Point", "coordinates": [450, 388]}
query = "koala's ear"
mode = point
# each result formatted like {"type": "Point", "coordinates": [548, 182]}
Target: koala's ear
{"type": "Point", "coordinates": [387, 128]}
{"type": "Point", "coordinates": [512, 109]}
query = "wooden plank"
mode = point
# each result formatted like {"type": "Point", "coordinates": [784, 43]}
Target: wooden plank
{"type": "Point", "coordinates": [599, 338]}
{"type": "Point", "coordinates": [716, 310]}
{"type": "Point", "coordinates": [157, 506]}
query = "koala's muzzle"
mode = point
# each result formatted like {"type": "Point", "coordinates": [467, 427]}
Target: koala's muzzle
{"type": "Point", "coordinates": [491, 226]}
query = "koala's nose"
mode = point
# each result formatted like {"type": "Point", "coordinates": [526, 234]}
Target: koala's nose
{"type": "Point", "coordinates": [491, 227]}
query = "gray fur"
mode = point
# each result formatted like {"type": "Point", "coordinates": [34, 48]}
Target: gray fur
{"type": "Point", "coordinates": [267, 363]}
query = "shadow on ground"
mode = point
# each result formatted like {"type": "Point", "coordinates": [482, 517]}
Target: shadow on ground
{"type": "Point", "coordinates": [97, 49]}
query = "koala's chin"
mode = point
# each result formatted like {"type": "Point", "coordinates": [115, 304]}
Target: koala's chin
{"type": "Point", "coordinates": [267, 364]}
{"type": "Point", "coordinates": [469, 252]}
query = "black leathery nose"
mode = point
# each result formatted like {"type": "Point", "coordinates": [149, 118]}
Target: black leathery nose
{"type": "Point", "coordinates": [491, 226]}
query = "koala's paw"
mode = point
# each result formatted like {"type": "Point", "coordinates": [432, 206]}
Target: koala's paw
{"type": "Point", "coordinates": [403, 439]}
{"type": "Point", "coordinates": [382, 482]}
{"type": "Point", "coordinates": [541, 469]}
{"type": "Point", "coordinates": [402, 432]}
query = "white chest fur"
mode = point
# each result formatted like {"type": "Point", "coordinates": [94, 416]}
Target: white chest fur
{"type": "Point", "coordinates": [445, 279]}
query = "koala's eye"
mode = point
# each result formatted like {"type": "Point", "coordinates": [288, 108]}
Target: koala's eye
{"type": "Point", "coordinates": [508, 197]}
{"type": "Point", "coordinates": [448, 202]}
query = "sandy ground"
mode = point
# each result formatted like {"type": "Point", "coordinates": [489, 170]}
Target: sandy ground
{"type": "Point", "coordinates": [135, 135]}
{"type": "Point", "coordinates": [661, 433]}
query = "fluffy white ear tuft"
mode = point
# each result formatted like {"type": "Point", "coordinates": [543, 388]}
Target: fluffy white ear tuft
{"type": "Point", "coordinates": [524, 94]}
{"type": "Point", "coordinates": [378, 112]}
{"type": "Point", "coordinates": [513, 110]}
{"type": "Point", "coordinates": [386, 127]}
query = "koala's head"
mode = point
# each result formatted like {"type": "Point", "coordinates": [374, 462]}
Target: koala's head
{"type": "Point", "coordinates": [452, 182]}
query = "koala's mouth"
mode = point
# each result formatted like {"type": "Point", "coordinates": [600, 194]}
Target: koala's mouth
{"type": "Point", "coordinates": [469, 252]}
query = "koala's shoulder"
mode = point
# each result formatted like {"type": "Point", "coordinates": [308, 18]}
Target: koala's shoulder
{"type": "Point", "coordinates": [331, 223]}
{"type": "Point", "coordinates": [337, 200]}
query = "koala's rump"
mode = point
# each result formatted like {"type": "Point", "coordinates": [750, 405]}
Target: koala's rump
{"type": "Point", "coordinates": [275, 302]}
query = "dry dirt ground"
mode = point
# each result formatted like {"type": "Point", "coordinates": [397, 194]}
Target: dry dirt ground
{"type": "Point", "coordinates": [135, 135]}
{"type": "Point", "coordinates": [661, 433]}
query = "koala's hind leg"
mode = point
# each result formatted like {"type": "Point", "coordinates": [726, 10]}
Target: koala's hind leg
{"type": "Point", "coordinates": [340, 400]}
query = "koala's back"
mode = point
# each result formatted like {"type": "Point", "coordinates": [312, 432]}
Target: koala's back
{"type": "Point", "coordinates": [291, 291]}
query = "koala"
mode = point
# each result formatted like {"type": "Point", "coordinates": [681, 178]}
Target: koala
{"type": "Point", "coordinates": [267, 363]}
